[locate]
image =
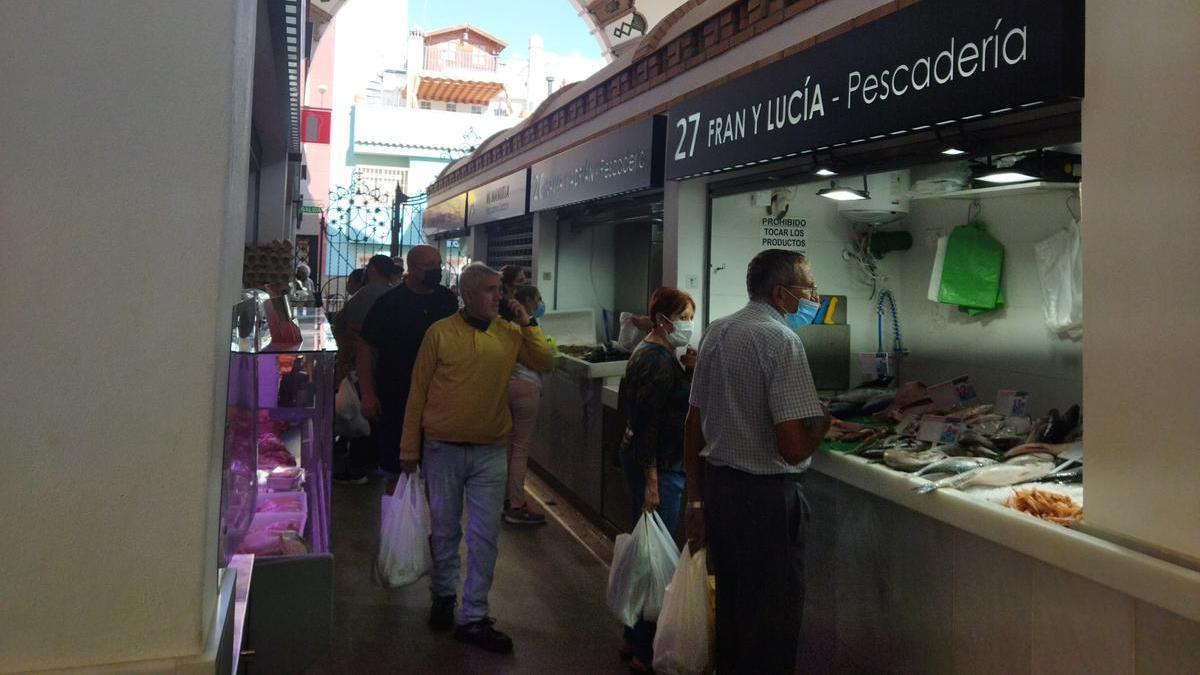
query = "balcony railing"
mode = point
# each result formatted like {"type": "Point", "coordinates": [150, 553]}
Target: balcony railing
{"type": "Point", "coordinates": [442, 59]}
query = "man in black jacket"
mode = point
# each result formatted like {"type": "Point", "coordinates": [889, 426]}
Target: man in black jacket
{"type": "Point", "coordinates": [390, 338]}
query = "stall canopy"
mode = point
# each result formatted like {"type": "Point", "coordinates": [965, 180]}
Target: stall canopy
{"type": "Point", "coordinates": [502, 198]}
{"type": "Point", "coordinates": [935, 64]}
{"type": "Point", "coordinates": [444, 217]}
{"type": "Point", "coordinates": [626, 160]}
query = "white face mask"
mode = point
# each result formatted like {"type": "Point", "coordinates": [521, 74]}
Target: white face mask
{"type": "Point", "coordinates": [681, 333]}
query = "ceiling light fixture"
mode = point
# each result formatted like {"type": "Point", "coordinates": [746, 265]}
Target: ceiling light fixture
{"type": "Point", "coordinates": [953, 152]}
{"type": "Point", "coordinates": [844, 194]}
{"type": "Point", "coordinates": [826, 172]}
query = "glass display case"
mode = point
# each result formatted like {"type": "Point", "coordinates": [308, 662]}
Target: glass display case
{"type": "Point", "coordinates": [278, 440]}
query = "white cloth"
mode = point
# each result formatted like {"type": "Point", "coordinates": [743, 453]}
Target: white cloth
{"type": "Point", "coordinates": [751, 374]}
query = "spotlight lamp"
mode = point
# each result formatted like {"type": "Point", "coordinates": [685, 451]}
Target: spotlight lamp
{"type": "Point", "coordinates": [1043, 165]}
{"type": "Point", "coordinates": [844, 194]}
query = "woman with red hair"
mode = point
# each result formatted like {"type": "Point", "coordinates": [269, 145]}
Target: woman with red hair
{"type": "Point", "coordinates": [654, 400]}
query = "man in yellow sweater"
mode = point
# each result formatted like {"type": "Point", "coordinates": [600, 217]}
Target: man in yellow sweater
{"type": "Point", "coordinates": [456, 425]}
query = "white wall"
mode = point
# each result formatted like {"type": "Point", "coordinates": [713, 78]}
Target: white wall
{"type": "Point", "coordinates": [1141, 208]}
{"type": "Point", "coordinates": [118, 272]}
{"type": "Point", "coordinates": [738, 233]}
{"type": "Point", "coordinates": [1008, 349]}
{"type": "Point", "coordinates": [586, 269]}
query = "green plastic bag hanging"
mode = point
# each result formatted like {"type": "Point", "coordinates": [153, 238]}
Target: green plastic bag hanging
{"type": "Point", "coordinates": [971, 274]}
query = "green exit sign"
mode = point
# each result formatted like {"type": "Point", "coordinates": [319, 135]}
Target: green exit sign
{"type": "Point", "coordinates": [310, 209]}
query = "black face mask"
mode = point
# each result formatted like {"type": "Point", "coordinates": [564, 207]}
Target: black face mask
{"type": "Point", "coordinates": [432, 278]}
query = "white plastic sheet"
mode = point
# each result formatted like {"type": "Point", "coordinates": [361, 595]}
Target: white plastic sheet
{"type": "Point", "coordinates": [643, 564]}
{"type": "Point", "coordinates": [1060, 266]}
{"type": "Point", "coordinates": [404, 554]}
{"type": "Point", "coordinates": [684, 634]}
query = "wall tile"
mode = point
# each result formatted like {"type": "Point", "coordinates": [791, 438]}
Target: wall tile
{"type": "Point", "coordinates": [993, 588]}
{"type": "Point", "coordinates": [1165, 642]}
{"type": "Point", "coordinates": [920, 598]}
{"type": "Point", "coordinates": [1079, 626]}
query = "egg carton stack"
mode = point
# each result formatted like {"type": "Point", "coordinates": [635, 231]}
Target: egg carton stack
{"type": "Point", "coordinates": [271, 263]}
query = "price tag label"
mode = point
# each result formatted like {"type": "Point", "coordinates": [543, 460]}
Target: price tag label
{"type": "Point", "coordinates": [908, 426]}
{"type": "Point", "coordinates": [1012, 403]}
{"type": "Point", "coordinates": [875, 365]}
{"type": "Point", "coordinates": [938, 429]}
{"type": "Point", "coordinates": [953, 393]}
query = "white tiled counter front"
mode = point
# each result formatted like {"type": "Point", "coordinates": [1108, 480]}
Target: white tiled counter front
{"type": "Point", "coordinates": [946, 583]}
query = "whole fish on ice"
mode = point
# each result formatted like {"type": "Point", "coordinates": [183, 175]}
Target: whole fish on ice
{"type": "Point", "coordinates": [955, 465]}
{"type": "Point", "coordinates": [993, 475]}
{"type": "Point", "coordinates": [911, 460]}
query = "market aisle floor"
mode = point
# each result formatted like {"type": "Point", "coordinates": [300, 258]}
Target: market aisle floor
{"type": "Point", "coordinates": [548, 595]}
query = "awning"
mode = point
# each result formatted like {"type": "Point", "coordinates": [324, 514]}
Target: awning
{"type": "Point", "coordinates": [458, 91]}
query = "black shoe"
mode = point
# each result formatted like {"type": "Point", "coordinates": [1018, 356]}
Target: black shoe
{"type": "Point", "coordinates": [481, 634]}
{"type": "Point", "coordinates": [441, 615]}
{"type": "Point", "coordinates": [350, 478]}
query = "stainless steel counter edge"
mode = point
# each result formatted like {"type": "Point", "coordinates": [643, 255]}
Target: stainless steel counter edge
{"type": "Point", "coordinates": [1161, 583]}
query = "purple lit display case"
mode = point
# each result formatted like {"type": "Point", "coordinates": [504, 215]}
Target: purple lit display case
{"type": "Point", "coordinates": [279, 442]}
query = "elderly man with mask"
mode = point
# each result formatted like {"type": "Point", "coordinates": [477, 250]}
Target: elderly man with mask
{"type": "Point", "coordinates": [391, 334]}
{"type": "Point", "coordinates": [456, 425]}
{"type": "Point", "coordinates": [753, 423]}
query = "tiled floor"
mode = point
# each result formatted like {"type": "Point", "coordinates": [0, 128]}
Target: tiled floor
{"type": "Point", "coordinates": [548, 595]}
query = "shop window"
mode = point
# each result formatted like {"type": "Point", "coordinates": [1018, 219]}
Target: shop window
{"type": "Point", "coordinates": [424, 105]}
{"type": "Point", "coordinates": [452, 107]}
{"type": "Point", "coordinates": [477, 109]}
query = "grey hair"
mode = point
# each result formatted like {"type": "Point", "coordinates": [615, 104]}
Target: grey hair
{"type": "Point", "coordinates": [770, 268]}
{"type": "Point", "coordinates": [473, 274]}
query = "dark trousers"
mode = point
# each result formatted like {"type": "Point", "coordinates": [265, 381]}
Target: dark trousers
{"type": "Point", "coordinates": [387, 431]}
{"type": "Point", "coordinates": [755, 527]}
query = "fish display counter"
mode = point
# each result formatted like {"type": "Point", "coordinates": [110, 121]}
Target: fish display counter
{"type": "Point", "coordinates": [951, 539]}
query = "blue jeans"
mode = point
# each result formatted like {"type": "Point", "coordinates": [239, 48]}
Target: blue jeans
{"type": "Point", "coordinates": [480, 473]}
{"type": "Point", "coordinates": [670, 494]}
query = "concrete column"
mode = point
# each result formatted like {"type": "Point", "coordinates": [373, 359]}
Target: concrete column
{"type": "Point", "coordinates": [273, 209]}
{"type": "Point", "coordinates": [685, 240]}
{"type": "Point", "coordinates": [545, 255]}
{"type": "Point", "coordinates": [1140, 210]}
{"type": "Point", "coordinates": [122, 201]}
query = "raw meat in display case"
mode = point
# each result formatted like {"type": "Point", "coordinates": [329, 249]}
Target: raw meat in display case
{"type": "Point", "coordinates": [276, 489]}
{"type": "Point", "coordinates": [278, 439]}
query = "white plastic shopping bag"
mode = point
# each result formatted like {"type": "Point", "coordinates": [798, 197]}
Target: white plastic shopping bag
{"type": "Point", "coordinates": [349, 420]}
{"type": "Point", "coordinates": [404, 553]}
{"type": "Point", "coordinates": [681, 643]}
{"type": "Point", "coordinates": [643, 563]}
{"type": "Point", "coordinates": [1060, 266]}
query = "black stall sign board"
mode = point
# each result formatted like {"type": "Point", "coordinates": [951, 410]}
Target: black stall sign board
{"type": "Point", "coordinates": [935, 62]}
{"type": "Point", "coordinates": [497, 200]}
{"type": "Point", "coordinates": [625, 160]}
{"type": "Point", "coordinates": [445, 216]}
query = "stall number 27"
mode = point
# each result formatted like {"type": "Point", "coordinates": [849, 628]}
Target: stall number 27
{"type": "Point", "coordinates": [682, 123]}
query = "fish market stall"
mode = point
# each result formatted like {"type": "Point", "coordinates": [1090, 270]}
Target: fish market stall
{"type": "Point", "coordinates": [972, 536]}
{"type": "Point", "coordinates": [569, 447]}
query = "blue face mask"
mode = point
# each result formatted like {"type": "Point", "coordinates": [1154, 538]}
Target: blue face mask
{"type": "Point", "coordinates": [539, 310]}
{"type": "Point", "coordinates": [805, 312]}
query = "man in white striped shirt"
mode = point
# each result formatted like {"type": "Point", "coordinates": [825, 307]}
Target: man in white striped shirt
{"type": "Point", "coordinates": [754, 421]}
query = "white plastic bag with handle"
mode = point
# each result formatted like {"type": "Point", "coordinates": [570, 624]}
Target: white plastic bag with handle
{"type": "Point", "coordinates": [681, 644]}
{"type": "Point", "coordinates": [404, 554]}
{"type": "Point", "coordinates": [642, 566]}
{"type": "Point", "coordinates": [1060, 266]}
{"type": "Point", "coordinates": [349, 420]}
